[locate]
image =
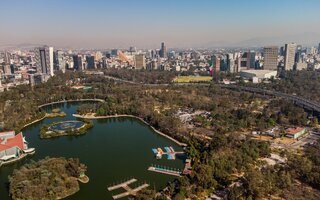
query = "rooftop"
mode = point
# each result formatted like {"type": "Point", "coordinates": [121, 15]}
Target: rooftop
{"type": "Point", "coordinates": [293, 131]}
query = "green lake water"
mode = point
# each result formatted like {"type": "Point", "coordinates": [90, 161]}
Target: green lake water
{"type": "Point", "coordinates": [114, 150]}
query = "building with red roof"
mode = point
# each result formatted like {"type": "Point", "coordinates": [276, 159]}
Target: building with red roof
{"type": "Point", "coordinates": [12, 146]}
{"type": "Point", "coordinates": [296, 132]}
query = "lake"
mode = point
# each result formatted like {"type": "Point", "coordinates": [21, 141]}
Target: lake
{"type": "Point", "coordinates": [114, 150]}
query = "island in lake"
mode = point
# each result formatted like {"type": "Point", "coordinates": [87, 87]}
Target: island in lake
{"type": "Point", "coordinates": [63, 128]}
{"type": "Point", "coordinates": [50, 178]}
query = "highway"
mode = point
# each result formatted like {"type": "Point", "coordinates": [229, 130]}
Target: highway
{"type": "Point", "coordinates": [302, 102]}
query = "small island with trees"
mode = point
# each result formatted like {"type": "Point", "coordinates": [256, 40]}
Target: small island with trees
{"type": "Point", "coordinates": [56, 112]}
{"type": "Point", "coordinates": [50, 178]}
{"type": "Point", "coordinates": [65, 128]}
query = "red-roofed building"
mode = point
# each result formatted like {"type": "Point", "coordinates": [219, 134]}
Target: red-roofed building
{"type": "Point", "coordinates": [12, 146]}
{"type": "Point", "coordinates": [296, 132]}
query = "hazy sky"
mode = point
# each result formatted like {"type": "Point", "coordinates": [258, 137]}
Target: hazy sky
{"type": "Point", "coordinates": [145, 23]}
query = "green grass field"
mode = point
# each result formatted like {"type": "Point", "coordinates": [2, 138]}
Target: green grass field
{"type": "Point", "coordinates": [190, 79]}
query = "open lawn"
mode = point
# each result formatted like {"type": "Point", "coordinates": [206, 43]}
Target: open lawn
{"type": "Point", "coordinates": [190, 79]}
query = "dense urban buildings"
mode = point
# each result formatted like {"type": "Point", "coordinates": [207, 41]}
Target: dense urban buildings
{"type": "Point", "coordinates": [36, 65]}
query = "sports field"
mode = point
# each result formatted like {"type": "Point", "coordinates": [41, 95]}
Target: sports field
{"type": "Point", "coordinates": [190, 79]}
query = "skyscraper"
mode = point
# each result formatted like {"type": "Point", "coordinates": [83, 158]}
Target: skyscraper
{"type": "Point", "coordinates": [270, 58]}
{"type": "Point", "coordinates": [44, 60]}
{"type": "Point", "coordinates": [59, 61]}
{"type": "Point", "coordinates": [251, 59]}
{"type": "Point", "coordinates": [319, 49]}
{"type": "Point", "coordinates": [163, 50]}
{"type": "Point", "coordinates": [215, 63]}
{"type": "Point", "coordinates": [289, 56]}
{"type": "Point", "coordinates": [139, 61]}
{"type": "Point", "coordinates": [90, 62]}
{"type": "Point", "coordinates": [77, 62]}
{"type": "Point", "coordinates": [231, 67]}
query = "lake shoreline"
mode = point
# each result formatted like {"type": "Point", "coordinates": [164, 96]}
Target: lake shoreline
{"type": "Point", "coordinates": [131, 116]}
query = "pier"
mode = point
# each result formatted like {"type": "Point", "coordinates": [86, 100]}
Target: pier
{"type": "Point", "coordinates": [165, 171]}
{"type": "Point", "coordinates": [169, 151]}
{"type": "Point", "coordinates": [129, 190]}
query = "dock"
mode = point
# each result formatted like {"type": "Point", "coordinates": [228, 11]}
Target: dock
{"type": "Point", "coordinates": [169, 151]}
{"type": "Point", "coordinates": [129, 190]}
{"type": "Point", "coordinates": [163, 170]}
{"type": "Point", "coordinates": [121, 185]}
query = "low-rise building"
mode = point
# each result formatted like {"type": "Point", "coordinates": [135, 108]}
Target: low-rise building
{"type": "Point", "coordinates": [12, 146]}
{"type": "Point", "coordinates": [258, 75]}
{"type": "Point", "coordinates": [295, 133]}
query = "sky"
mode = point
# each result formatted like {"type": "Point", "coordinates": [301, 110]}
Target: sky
{"type": "Point", "coordinates": [146, 23]}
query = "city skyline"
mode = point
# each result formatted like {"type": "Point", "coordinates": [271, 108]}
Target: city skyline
{"type": "Point", "coordinates": [106, 24]}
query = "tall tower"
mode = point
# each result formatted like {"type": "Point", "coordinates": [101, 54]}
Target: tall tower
{"type": "Point", "coordinates": [319, 49]}
{"type": "Point", "coordinates": [289, 56]}
{"type": "Point", "coordinates": [215, 63]}
{"type": "Point", "coordinates": [163, 50]}
{"type": "Point", "coordinates": [140, 61]}
{"type": "Point", "coordinates": [270, 58]}
{"type": "Point", "coordinates": [77, 62]}
{"type": "Point", "coordinates": [251, 59]}
{"type": "Point", "coordinates": [44, 60]}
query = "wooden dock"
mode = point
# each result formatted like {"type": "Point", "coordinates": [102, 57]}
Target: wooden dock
{"type": "Point", "coordinates": [121, 185]}
{"type": "Point", "coordinates": [129, 190]}
{"type": "Point", "coordinates": [165, 171]}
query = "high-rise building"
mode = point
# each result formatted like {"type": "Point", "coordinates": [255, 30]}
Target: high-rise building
{"type": "Point", "coordinates": [270, 58]}
{"type": "Point", "coordinates": [77, 62]}
{"type": "Point", "coordinates": [59, 61]}
{"type": "Point", "coordinates": [289, 56]}
{"type": "Point", "coordinates": [231, 67]}
{"type": "Point", "coordinates": [44, 60]}
{"type": "Point", "coordinates": [139, 61]}
{"type": "Point", "coordinates": [114, 52]}
{"type": "Point", "coordinates": [7, 69]}
{"type": "Point", "coordinates": [215, 63]}
{"type": "Point", "coordinates": [163, 50]}
{"type": "Point", "coordinates": [282, 51]}
{"type": "Point", "coordinates": [319, 49]}
{"type": "Point", "coordinates": [251, 59]}
{"type": "Point", "coordinates": [90, 62]}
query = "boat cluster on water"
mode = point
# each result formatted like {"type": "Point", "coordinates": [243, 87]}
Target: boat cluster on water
{"type": "Point", "coordinates": [13, 147]}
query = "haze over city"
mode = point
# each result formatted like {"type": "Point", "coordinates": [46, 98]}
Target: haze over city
{"type": "Point", "coordinates": [159, 100]}
{"type": "Point", "coordinates": [144, 23]}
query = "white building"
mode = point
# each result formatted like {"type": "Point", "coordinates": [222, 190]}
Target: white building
{"type": "Point", "coordinates": [258, 75]}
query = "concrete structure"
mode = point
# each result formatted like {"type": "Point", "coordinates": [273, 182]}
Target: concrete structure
{"type": "Point", "coordinates": [139, 61]}
{"type": "Point", "coordinates": [231, 67]}
{"type": "Point", "coordinates": [44, 60]}
{"type": "Point", "coordinates": [59, 62]}
{"type": "Point", "coordinates": [270, 58]}
{"type": "Point", "coordinates": [163, 50]}
{"type": "Point", "coordinates": [258, 75]}
{"type": "Point", "coordinates": [289, 56]}
{"type": "Point", "coordinates": [77, 62]}
{"type": "Point", "coordinates": [215, 63]}
{"type": "Point", "coordinates": [90, 62]}
{"type": "Point", "coordinates": [295, 133]}
{"type": "Point", "coordinates": [301, 65]}
{"type": "Point", "coordinates": [128, 190]}
{"type": "Point", "coordinates": [251, 59]}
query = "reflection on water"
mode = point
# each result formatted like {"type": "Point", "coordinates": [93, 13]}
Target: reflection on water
{"type": "Point", "coordinates": [114, 150]}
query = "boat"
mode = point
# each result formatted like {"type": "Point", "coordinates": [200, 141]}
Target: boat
{"type": "Point", "coordinates": [29, 151]}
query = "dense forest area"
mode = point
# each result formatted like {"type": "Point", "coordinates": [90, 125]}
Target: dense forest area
{"type": "Point", "coordinates": [50, 178]}
{"type": "Point", "coordinates": [302, 83]}
{"type": "Point", "coordinates": [225, 158]}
